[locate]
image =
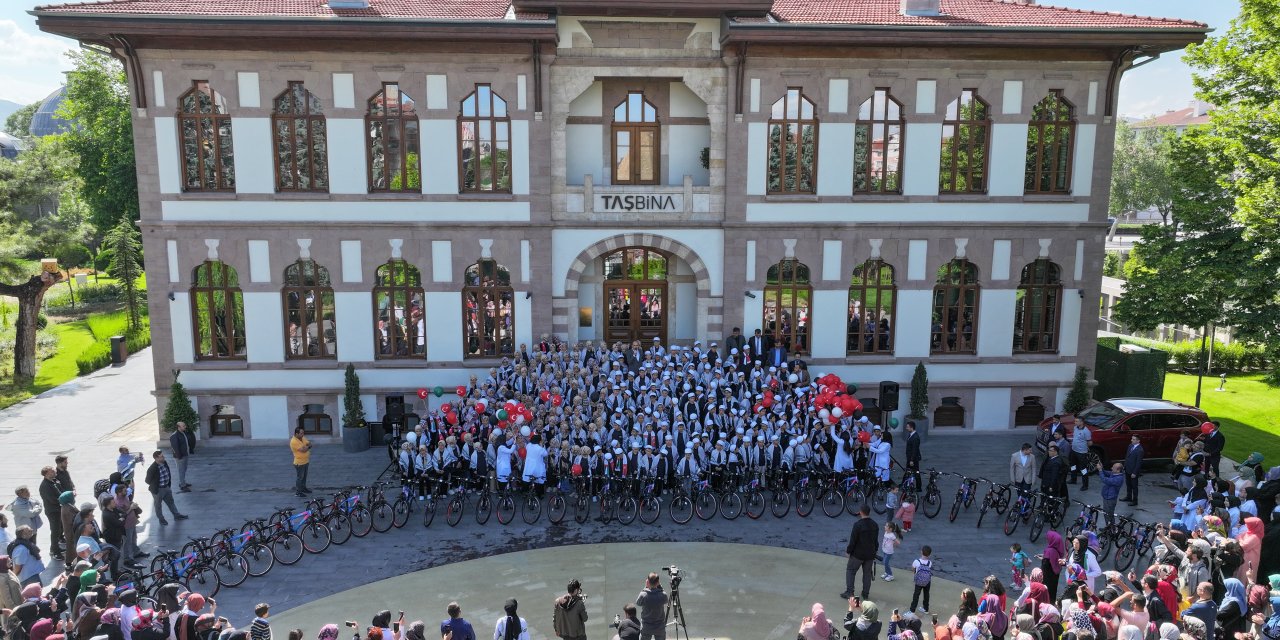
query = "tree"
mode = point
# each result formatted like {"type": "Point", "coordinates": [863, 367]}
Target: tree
{"type": "Point", "coordinates": [30, 293]}
{"type": "Point", "coordinates": [18, 124]}
{"type": "Point", "coordinates": [126, 249]}
{"type": "Point", "coordinates": [1140, 174]}
{"type": "Point", "coordinates": [102, 138]}
{"type": "Point", "coordinates": [1078, 398]}
{"type": "Point", "coordinates": [352, 408]}
{"type": "Point", "coordinates": [178, 408]}
{"type": "Point", "coordinates": [919, 392]}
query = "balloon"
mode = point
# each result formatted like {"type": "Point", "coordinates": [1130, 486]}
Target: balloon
{"type": "Point", "coordinates": [502, 424]}
{"type": "Point", "coordinates": [864, 436]}
{"type": "Point", "coordinates": [462, 391]}
{"type": "Point", "coordinates": [479, 407]}
{"type": "Point", "coordinates": [857, 406]}
{"type": "Point", "coordinates": [793, 378]}
{"type": "Point", "coordinates": [545, 395]}
{"type": "Point", "coordinates": [853, 388]}
{"type": "Point", "coordinates": [524, 431]}
{"type": "Point", "coordinates": [447, 408]}
{"type": "Point", "coordinates": [422, 394]}
{"type": "Point", "coordinates": [837, 412]}
{"type": "Point", "coordinates": [452, 418]}
{"type": "Point", "coordinates": [824, 413]}
{"type": "Point", "coordinates": [893, 423]}
{"type": "Point", "coordinates": [773, 384]}
{"type": "Point", "coordinates": [557, 400]}
{"type": "Point", "coordinates": [519, 418]}
{"type": "Point", "coordinates": [831, 419]}
{"type": "Point", "coordinates": [767, 403]}
{"type": "Point", "coordinates": [522, 453]}
{"type": "Point", "coordinates": [502, 415]}
{"type": "Point", "coordinates": [439, 391]}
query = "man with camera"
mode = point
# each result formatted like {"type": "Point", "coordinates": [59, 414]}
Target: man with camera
{"type": "Point", "coordinates": [653, 615]}
{"type": "Point", "coordinates": [569, 616]}
{"type": "Point", "coordinates": [628, 627]}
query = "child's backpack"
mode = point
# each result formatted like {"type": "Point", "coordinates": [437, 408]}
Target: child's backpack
{"type": "Point", "coordinates": [924, 573]}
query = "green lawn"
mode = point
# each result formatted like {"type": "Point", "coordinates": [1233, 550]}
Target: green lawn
{"type": "Point", "coordinates": [1246, 410]}
{"type": "Point", "coordinates": [73, 339]}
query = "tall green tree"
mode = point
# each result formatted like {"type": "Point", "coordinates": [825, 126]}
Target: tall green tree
{"type": "Point", "coordinates": [101, 138]}
{"type": "Point", "coordinates": [18, 124]}
{"type": "Point", "coordinates": [126, 264]}
{"type": "Point", "coordinates": [29, 290]}
{"type": "Point", "coordinates": [1140, 173]}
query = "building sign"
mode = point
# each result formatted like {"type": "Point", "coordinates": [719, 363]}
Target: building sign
{"type": "Point", "coordinates": [639, 203]}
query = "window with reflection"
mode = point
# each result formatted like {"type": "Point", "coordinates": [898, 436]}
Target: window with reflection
{"type": "Point", "coordinates": [1050, 137]}
{"type": "Point", "coordinates": [635, 291]}
{"type": "Point", "coordinates": [400, 329]}
{"type": "Point", "coordinates": [204, 135]}
{"type": "Point", "coordinates": [793, 144]}
{"type": "Point", "coordinates": [1035, 319]}
{"type": "Point", "coordinates": [487, 303]}
{"type": "Point", "coordinates": [301, 143]}
{"type": "Point", "coordinates": [391, 126]}
{"type": "Point", "coordinates": [314, 420]}
{"type": "Point", "coordinates": [226, 422]}
{"type": "Point", "coordinates": [877, 145]}
{"type": "Point", "coordinates": [966, 133]}
{"type": "Point", "coordinates": [955, 308]}
{"type": "Point", "coordinates": [787, 296]}
{"type": "Point", "coordinates": [635, 264]}
{"type": "Point", "coordinates": [484, 132]}
{"type": "Point", "coordinates": [309, 327]}
{"type": "Point", "coordinates": [871, 308]}
{"type": "Point", "coordinates": [636, 141]}
{"type": "Point", "coordinates": [217, 311]}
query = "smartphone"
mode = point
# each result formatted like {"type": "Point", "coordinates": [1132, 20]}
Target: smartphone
{"type": "Point", "coordinates": [895, 613]}
{"type": "Point", "coordinates": [351, 624]}
{"type": "Point", "coordinates": [857, 602]}
{"type": "Point", "coordinates": [395, 627]}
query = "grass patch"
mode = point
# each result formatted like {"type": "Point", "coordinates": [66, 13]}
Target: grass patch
{"type": "Point", "coordinates": [73, 339]}
{"type": "Point", "coordinates": [1246, 409]}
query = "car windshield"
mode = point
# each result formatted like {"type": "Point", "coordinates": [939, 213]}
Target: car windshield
{"type": "Point", "coordinates": [1101, 415]}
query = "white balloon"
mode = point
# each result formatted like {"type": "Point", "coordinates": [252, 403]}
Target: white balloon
{"type": "Point", "coordinates": [524, 431]}
{"type": "Point", "coordinates": [837, 412]}
{"type": "Point", "coordinates": [793, 378]}
{"type": "Point", "coordinates": [519, 418]}
{"type": "Point", "coordinates": [823, 413]}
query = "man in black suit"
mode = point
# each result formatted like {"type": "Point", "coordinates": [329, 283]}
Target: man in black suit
{"type": "Point", "coordinates": [1132, 469]}
{"type": "Point", "coordinates": [735, 341]}
{"type": "Point", "coordinates": [913, 452]}
{"type": "Point", "coordinates": [1052, 474]}
{"type": "Point", "coordinates": [1214, 441]}
{"type": "Point", "coordinates": [760, 346]}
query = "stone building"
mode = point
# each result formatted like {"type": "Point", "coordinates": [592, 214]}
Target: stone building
{"type": "Point", "coordinates": [417, 187]}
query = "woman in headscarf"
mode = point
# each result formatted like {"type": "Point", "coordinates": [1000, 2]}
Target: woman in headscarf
{"type": "Point", "coordinates": [1194, 627]}
{"type": "Point", "coordinates": [109, 624]}
{"type": "Point", "coordinates": [1105, 618]}
{"type": "Point", "coordinates": [815, 626]}
{"type": "Point", "coordinates": [1232, 612]}
{"type": "Point", "coordinates": [10, 590]}
{"type": "Point", "coordinates": [510, 626]}
{"type": "Point", "coordinates": [1130, 632]}
{"type": "Point", "coordinates": [1079, 625]}
{"type": "Point", "coordinates": [866, 626]}
{"type": "Point", "coordinates": [1035, 589]}
{"type": "Point", "coordinates": [1050, 625]}
{"type": "Point", "coordinates": [1026, 627]}
{"type": "Point", "coordinates": [417, 631]}
{"type": "Point", "coordinates": [330, 632]}
{"type": "Point", "coordinates": [1083, 555]}
{"type": "Point", "coordinates": [993, 615]}
{"type": "Point", "coordinates": [1251, 545]}
{"type": "Point", "coordinates": [1052, 561]}
{"type": "Point", "coordinates": [991, 585]}
{"type": "Point", "coordinates": [1170, 631]}
{"type": "Point", "coordinates": [42, 629]}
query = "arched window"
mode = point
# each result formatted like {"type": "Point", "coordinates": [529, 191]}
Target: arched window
{"type": "Point", "coordinates": [966, 133]}
{"type": "Point", "coordinates": [955, 308]}
{"type": "Point", "coordinates": [217, 311]}
{"type": "Point", "coordinates": [392, 141]}
{"type": "Point", "coordinates": [487, 302]}
{"type": "Point", "coordinates": [877, 145]}
{"type": "Point", "coordinates": [204, 135]}
{"type": "Point", "coordinates": [636, 141]}
{"type": "Point", "coordinates": [793, 144]}
{"type": "Point", "coordinates": [635, 294]}
{"type": "Point", "coordinates": [302, 149]}
{"type": "Point", "coordinates": [787, 293]}
{"type": "Point", "coordinates": [308, 312]}
{"type": "Point", "coordinates": [1035, 319]}
{"type": "Point", "coordinates": [871, 308]}
{"type": "Point", "coordinates": [400, 329]}
{"type": "Point", "coordinates": [1050, 138]}
{"type": "Point", "coordinates": [484, 131]}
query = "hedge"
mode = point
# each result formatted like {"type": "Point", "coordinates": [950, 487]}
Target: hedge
{"type": "Point", "coordinates": [98, 355]}
{"type": "Point", "coordinates": [1235, 357]}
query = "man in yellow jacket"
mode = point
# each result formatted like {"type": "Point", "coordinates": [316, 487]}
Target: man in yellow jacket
{"type": "Point", "coordinates": [301, 447]}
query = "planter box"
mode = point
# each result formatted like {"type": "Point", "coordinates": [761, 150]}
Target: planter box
{"type": "Point", "coordinates": [355, 439]}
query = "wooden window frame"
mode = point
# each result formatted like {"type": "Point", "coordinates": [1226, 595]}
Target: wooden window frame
{"type": "Point", "coordinates": [224, 177]}
{"type": "Point", "coordinates": [498, 289]}
{"type": "Point", "coordinates": [952, 169]}
{"type": "Point", "coordinates": [775, 287]}
{"type": "Point", "coordinates": [864, 129]}
{"type": "Point", "coordinates": [387, 116]}
{"type": "Point", "coordinates": [1060, 153]}
{"type": "Point", "coordinates": [779, 147]}
{"type": "Point", "coordinates": [304, 417]}
{"type": "Point", "coordinates": [227, 418]}
{"type": "Point", "coordinates": [491, 122]}
{"type": "Point", "coordinates": [226, 281]}
{"type": "Point", "coordinates": [859, 290]}
{"type": "Point", "coordinates": [318, 287]}
{"type": "Point", "coordinates": [1044, 276]}
{"type": "Point", "coordinates": [961, 276]}
{"type": "Point", "coordinates": [412, 277]}
{"type": "Point", "coordinates": [635, 128]}
{"type": "Point", "coordinates": [315, 122]}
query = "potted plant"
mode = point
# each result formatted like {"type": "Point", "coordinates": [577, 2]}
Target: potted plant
{"type": "Point", "coordinates": [179, 409]}
{"type": "Point", "coordinates": [355, 431]}
{"type": "Point", "coordinates": [1078, 398]}
{"type": "Point", "coordinates": [919, 409]}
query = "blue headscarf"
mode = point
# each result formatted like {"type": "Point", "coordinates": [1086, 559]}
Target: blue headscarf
{"type": "Point", "coordinates": [1235, 591]}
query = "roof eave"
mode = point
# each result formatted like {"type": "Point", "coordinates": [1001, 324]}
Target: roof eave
{"type": "Point", "coordinates": [1156, 39]}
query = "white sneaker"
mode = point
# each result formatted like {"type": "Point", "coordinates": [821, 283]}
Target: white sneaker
{"type": "Point", "coordinates": [888, 578]}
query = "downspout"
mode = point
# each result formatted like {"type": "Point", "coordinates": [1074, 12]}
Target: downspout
{"type": "Point", "coordinates": [741, 73]}
{"type": "Point", "coordinates": [537, 76]}
{"type": "Point", "coordinates": [128, 60]}
{"type": "Point", "coordinates": [1121, 64]}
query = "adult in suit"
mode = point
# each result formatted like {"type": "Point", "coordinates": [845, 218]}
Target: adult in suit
{"type": "Point", "coordinates": [1053, 475]}
{"type": "Point", "coordinates": [1132, 469]}
{"type": "Point", "coordinates": [913, 452]}
{"type": "Point", "coordinates": [760, 345]}
{"type": "Point", "coordinates": [735, 341]}
{"type": "Point", "coordinates": [1022, 467]}
{"type": "Point", "coordinates": [1214, 441]}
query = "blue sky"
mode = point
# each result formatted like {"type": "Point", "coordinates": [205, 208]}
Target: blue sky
{"type": "Point", "coordinates": [32, 63]}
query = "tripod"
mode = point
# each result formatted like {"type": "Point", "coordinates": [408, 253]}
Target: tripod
{"type": "Point", "coordinates": [675, 613]}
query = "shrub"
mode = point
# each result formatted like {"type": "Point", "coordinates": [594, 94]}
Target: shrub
{"type": "Point", "coordinates": [106, 292]}
{"type": "Point", "coordinates": [96, 356]}
{"type": "Point", "coordinates": [105, 325]}
{"type": "Point", "coordinates": [1078, 398]}
{"type": "Point", "coordinates": [41, 321]}
{"type": "Point", "coordinates": [178, 409]}
{"type": "Point", "coordinates": [1111, 265]}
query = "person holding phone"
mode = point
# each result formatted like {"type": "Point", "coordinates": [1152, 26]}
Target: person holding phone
{"type": "Point", "coordinates": [456, 627]}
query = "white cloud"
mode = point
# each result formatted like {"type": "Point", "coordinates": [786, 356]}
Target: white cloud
{"type": "Point", "coordinates": [31, 64]}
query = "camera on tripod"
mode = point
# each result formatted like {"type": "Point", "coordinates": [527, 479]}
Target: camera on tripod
{"type": "Point", "coordinates": [674, 573]}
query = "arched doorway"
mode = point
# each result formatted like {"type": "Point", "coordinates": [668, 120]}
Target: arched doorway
{"type": "Point", "coordinates": [635, 294]}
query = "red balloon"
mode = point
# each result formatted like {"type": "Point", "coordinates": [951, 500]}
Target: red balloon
{"type": "Point", "coordinates": [452, 418]}
{"type": "Point", "coordinates": [522, 453]}
{"type": "Point", "coordinates": [545, 395]}
{"type": "Point", "coordinates": [557, 400]}
{"type": "Point", "coordinates": [502, 424]}
{"type": "Point", "coordinates": [864, 436]}
{"type": "Point", "coordinates": [422, 394]}
{"type": "Point", "coordinates": [773, 384]}
{"type": "Point", "coordinates": [479, 407]}
{"type": "Point", "coordinates": [857, 406]}
{"type": "Point", "coordinates": [767, 402]}
{"type": "Point", "coordinates": [447, 408]}
{"type": "Point", "coordinates": [462, 391]}
{"type": "Point", "coordinates": [832, 419]}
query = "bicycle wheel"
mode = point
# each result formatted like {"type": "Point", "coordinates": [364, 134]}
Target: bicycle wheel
{"type": "Point", "coordinates": [706, 505]}
{"type": "Point", "coordinates": [203, 579]}
{"type": "Point", "coordinates": [731, 505]}
{"type": "Point", "coordinates": [453, 514]}
{"type": "Point", "coordinates": [531, 508]}
{"type": "Point", "coordinates": [932, 504]}
{"type": "Point", "coordinates": [650, 510]}
{"type": "Point", "coordinates": [400, 512]}
{"type": "Point", "coordinates": [780, 503]}
{"type": "Point", "coordinates": [1037, 526]}
{"type": "Point", "coordinates": [232, 569]}
{"type": "Point", "coordinates": [162, 562]}
{"type": "Point", "coordinates": [853, 500]}
{"type": "Point", "coordinates": [339, 526]}
{"type": "Point", "coordinates": [557, 506]}
{"type": "Point", "coordinates": [581, 509]}
{"type": "Point", "coordinates": [1075, 528]}
{"type": "Point", "coordinates": [1011, 523]}
{"type": "Point", "coordinates": [383, 517]}
{"type": "Point", "coordinates": [1002, 499]}
{"type": "Point", "coordinates": [955, 510]}
{"type": "Point", "coordinates": [428, 510]}
{"type": "Point", "coordinates": [681, 509]}
{"type": "Point", "coordinates": [628, 509]}
{"type": "Point", "coordinates": [506, 510]}
{"type": "Point", "coordinates": [191, 548]}
{"type": "Point", "coordinates": [484, 508]}
{"type": "Point", "coordinates": [1104, 546]}
{"type": "Point", "coordinates": [1125, 555]}
{"type": "Point", "coordinates": [316, 537]}
{"type": "Point", "coordinates": [361, 521]}
{"type": "Point", "coordinates": [755, 505]}
{"type": "Point", "coordinates": [880, 499]}
{"type": "Point", "coordinates": [608, 507]}
{"type": "Point", "coordinates": [982, 511]}
{"type": "Point", "coordinates": [832, 503]}
{"type": "Point", "coordinates": [260, 559]}
{"type": "Point", "coordinates": [287, 548]}
{"type": "Point", "coordinates": [804, 502]}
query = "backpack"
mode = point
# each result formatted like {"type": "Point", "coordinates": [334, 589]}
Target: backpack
{"type": "Point", "coordinates": [924, 574]}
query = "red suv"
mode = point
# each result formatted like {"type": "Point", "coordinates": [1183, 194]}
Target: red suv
{"type": "Point", "coordinates": [1158, 424]}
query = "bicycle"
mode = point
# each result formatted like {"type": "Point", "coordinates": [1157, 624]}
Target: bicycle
{"type": "Point", "coordinates": [581, 499]}
{"type": "Point", "coordinates": [628, 506]}
{"type": "Point", "coordinates": [682, 501]}
{"type": "Point", "coordinates": [1137, 545]}
{"type": "Point", "coordinates": [315, 536]}
{"type": "Point", "coordinates": [650, 505]}
{"type": "Point", "coordinates": [932, 503]}
{"type": "Point", "coordinates": [730, 498]}
{"type": "Point", "coordinates": [804, 495]}
{"type": "Point", "coordinates": [779, 497]}
{"type": "Point", "coordinates": [1087, 520]}
{"type": "Point", "coordinates": [997, 497]}
{"type": "Point", "coordinates": [220, 552]}
{"type": "Point", "coordinates": [829, 495]}
{"type": "Point", "coordinates": [964, 495]}
{"type": "Point", "coordinates": [1020, 511]}
{"type": "Point", "coordinates": [187, 570]}
{"type": "Point", "coordinates": [754, 503]}
{"type": "Point", "coordinates": [1049, 511]}
{"type": "Point", "coordinates": [383, 516]}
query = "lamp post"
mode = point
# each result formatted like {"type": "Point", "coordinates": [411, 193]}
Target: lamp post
{"type": "Point", "coordinates": [1200, 363]}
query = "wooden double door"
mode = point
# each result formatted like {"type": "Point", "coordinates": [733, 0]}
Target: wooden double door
{"type": "Point", "coordinates": [637, 310]}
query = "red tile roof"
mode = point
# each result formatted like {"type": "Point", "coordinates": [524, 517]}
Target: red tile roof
{"type": "Point", "coordinates": [417, 9]}
{"type": "Point", "coordinates": [966, 13]}
{"type": "Point", "coordinates": [1180, 118]}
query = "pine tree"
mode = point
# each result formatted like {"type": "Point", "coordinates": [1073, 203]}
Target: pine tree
{"type": "Point", "coordinates": [125, 266]}
{"type": "Point", "coordinates": [352, 409]}
{"type": "Point", "coordinates": [919, 392]}
{"type": "Point", "coordinates": [1078, 398]}
{"type": "Point", "coordinates": [178, 409]}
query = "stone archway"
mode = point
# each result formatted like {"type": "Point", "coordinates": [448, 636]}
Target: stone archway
{"type": "Point", "coordinates": [710, 312]}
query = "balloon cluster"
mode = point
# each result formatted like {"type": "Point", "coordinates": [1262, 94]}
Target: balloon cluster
{"type": "Point", "coordinates": [512, 412]}
{"type": "Point", "coordinates": [554, 398]}
{"type": "Point", "coordinates": [834, 399]}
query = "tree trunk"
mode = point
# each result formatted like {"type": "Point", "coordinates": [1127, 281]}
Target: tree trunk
{"type": "Point", "coordinates": [29, 295]}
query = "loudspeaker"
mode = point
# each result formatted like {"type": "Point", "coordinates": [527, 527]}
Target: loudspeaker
{"type": "Point", "coordinates": [395, 406]}
{"type": "Point", "coordinates": [889, 395]}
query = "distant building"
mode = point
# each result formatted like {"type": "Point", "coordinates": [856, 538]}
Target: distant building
{"type": "Point", "coordinates": [45, 121]}
{"type": "Point", "coordinates": [9, 146]}
{"type": "Point", "coordinates": [1194, 115]}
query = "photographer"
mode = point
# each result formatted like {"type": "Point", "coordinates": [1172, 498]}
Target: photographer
{"type": "Point", "coordinates": [628, 627]}
{"type": "Point", "coordinates": [653, 616]}
{"type": "Point", "coordinates": [569, 615]}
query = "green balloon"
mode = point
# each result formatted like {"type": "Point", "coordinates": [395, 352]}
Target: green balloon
{"type": "Point", "coordinates": [439, 391]}
{"type": "Point", "coordinates": [502, 414]}
{"type": "Point", "coordinates": [853, 388]}
{"type": "Point", "coordinates": [893, 422]}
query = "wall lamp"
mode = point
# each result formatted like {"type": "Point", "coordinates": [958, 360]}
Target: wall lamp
{"type": "Point", "coordinates": [1081, 292]}
{"type": "Point", "coordinates": [172, 297]}
{"type": "Point", "coordinates": [749, 294]}
{"type": "Point", "coordinates": [528, 295]}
